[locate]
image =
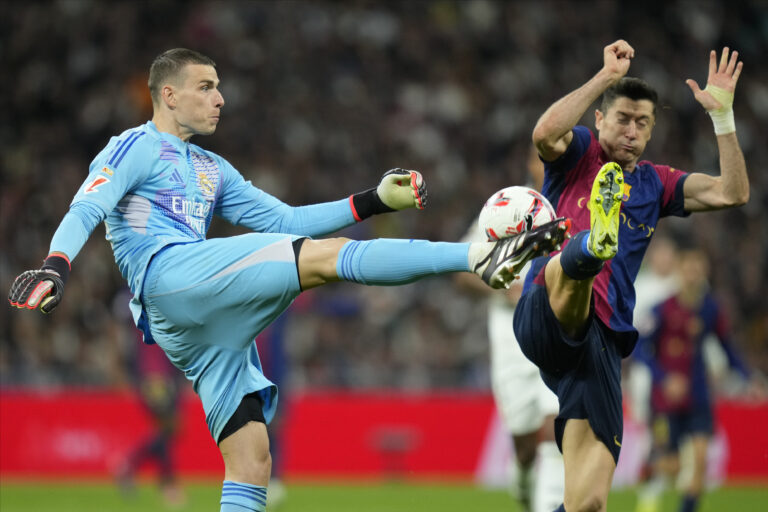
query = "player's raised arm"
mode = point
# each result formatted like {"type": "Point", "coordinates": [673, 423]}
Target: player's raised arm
{"type": "Point", "coordinates": [552, 133]}
{"type": "Point", "coordinates": [731, 188]}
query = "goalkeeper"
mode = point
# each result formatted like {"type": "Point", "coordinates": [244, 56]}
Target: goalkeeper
{"type": "Point", "coordinates": [204, 301]}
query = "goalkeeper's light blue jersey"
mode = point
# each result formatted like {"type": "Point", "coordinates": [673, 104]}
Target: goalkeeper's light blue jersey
{"type": "Point", "coordinates": [153, 190]}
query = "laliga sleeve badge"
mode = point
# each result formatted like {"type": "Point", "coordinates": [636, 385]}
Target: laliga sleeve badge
{"type": "Point", "coordinates": [93, 186]}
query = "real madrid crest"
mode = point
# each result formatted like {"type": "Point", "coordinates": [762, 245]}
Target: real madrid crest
{"type": "Point", "coordinates": [205, 184]}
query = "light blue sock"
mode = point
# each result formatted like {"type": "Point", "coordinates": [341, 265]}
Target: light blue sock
{"type": "Point", "coordinates": [387, 261]}
{"type": "Point", "coordinates": [240, 497]}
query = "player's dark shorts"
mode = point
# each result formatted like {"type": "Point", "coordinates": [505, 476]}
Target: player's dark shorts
{"type": "Point", "coordinates": [585, 374]}
{"type": "Point", "coordinates": [671, 427]}
{"type": "Point", "coordinates": [250, 409]}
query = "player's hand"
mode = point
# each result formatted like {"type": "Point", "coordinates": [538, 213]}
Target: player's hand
{"type": "Point", "coordinates": [37, 288]}
{"type": "Point", "coordinates": [756, 388]}
{"type": "Point", "coordinates": [616, 59]}
{"type": "Point", "coordinates": [721, 81]}
{"type": "Point", "coordinates": [675, 387]}
{"type": "Point", "coordinates": [41, 288]}
{"type": "Point", "coordinates": [400, 189]}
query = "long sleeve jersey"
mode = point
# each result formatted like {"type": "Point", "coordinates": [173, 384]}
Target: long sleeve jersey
{"type": "Point", "coordinates": [650, 192]}
{"type": "Point", "coordinates": [153, 190]}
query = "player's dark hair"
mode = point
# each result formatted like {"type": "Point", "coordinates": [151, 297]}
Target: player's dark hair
{"type": "Point", "coordinates": [167, 66]}
{"type": "Point", "coordinates": [632, 88]}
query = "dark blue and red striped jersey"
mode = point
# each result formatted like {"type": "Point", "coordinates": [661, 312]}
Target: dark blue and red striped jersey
{"type": "Point", "coordinates": [650, 192]}
{"type": "Point", "coordinates": [676, 346]}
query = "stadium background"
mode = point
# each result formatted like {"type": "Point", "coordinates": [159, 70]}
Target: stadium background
{"type": "Point", "coordinates": [322, 97]}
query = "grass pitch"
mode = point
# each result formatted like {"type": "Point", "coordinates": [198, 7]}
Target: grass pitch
{"type": "Point", "coordinates": [330, 497]}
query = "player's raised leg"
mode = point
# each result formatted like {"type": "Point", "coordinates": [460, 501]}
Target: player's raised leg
{"type": "Point", "coordinates": [570, 274]}
{"type": "Point", "coordinates": [394, 262]}
{"type": "Point", "coordinates": [589, 464]}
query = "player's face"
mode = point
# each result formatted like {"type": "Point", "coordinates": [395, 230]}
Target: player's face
{"type": "Point", "coordinates": [198, 100]}
{"type": "Point", "coordinates": [694, 269]}
{"type": "Point", "coordinates": [625, 129]}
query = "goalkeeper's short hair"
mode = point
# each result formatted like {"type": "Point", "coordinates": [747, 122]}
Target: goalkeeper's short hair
{"type": "Point", "coordinates": [168, 65]}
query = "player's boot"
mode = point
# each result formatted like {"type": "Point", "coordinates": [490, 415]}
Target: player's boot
{"type": "Point", "coordinates": [508, 256]}
{"type": "Point", "coordinates": [604, 205]}
{"type": "Point", "coordinates": [647, 506]}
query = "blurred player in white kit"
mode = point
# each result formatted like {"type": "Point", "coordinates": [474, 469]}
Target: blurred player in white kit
{"type": "Point", "coordinates": [526, 406]}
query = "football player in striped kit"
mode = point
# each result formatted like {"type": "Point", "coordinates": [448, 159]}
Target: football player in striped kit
{"type": "Point", "coordinates": [574, 319]}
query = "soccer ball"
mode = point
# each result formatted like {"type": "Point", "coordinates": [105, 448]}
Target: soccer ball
{"type": "Point", "coordinates": [513, 210]}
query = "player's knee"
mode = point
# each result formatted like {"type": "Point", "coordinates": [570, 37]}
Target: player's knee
{"type": "Point", "coordinates": [246, 454]}
{"type": "Point", "coordinates": [592, 502]}
{"type": "Point", "coordinates": [260, 469]}
{"type": "Point", "coordinates": [262, 466]}
{"type": "Point", "coordinates": [255, 469]}
{"type": "Point", "coordinates": [673, 465]}
{"type": "Point", "coordinates": [317, 261]}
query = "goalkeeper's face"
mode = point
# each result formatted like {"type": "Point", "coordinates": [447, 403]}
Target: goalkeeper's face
{"type": "Point", "coordinates": [198, 100]}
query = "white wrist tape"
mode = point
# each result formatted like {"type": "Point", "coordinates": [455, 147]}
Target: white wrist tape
{"type": "Point", "coordinates": [722, 118]}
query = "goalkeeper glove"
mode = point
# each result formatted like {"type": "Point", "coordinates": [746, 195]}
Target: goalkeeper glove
{"type": "Point", "coordinates": [399, 189]}
{"type": "Point", "coordinates": [43, 288]}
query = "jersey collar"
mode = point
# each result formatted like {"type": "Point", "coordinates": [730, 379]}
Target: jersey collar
{"type": "Point", "coordinates": [170, 138]}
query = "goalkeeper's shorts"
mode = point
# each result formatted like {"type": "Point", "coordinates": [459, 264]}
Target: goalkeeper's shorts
{"type": "Point", "coordinates": [207, 301]}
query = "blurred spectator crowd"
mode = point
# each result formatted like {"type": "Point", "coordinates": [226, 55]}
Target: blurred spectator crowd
{"type": "Point", "coordinates": [322, 97]}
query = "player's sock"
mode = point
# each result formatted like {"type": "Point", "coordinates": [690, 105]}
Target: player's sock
{"type": "Point", "coordinates": [649, 494]}
{"type": "Point", "coordinates": [240, 497]}
{"type": "Point", "coordinates": [689, 503]}
{"type": "Point", "coordinates": [550, 478]}
{"type": "Point", "coordinates": [522, 485]}
{"type": "Point", "coordinates": [577, 260]}
{"type": "Point", "coordinates": [386, 261]}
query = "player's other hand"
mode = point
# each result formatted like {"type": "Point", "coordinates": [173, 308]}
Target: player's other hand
{"type": "Point", "coordinates": [757, 388]}
{"type": "Point", "coordinates": [675, 386]}
{"type": "Point", "coordinates": [41, 288]}
{"type": "Point", "coordinates": [721, 81]}
{"type": "Point", "coordinates": [616, 58]}
{"type": "Point", "coordinates": [400, 189]}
